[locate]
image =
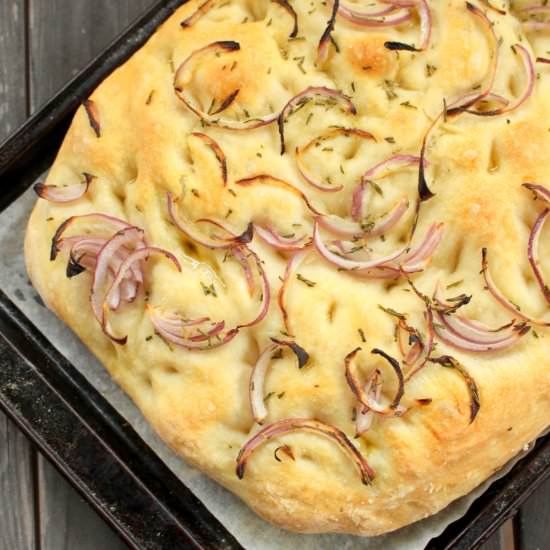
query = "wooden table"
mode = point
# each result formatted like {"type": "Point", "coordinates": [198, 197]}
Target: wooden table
{"type": "Point", "coordinates": [43, 43]}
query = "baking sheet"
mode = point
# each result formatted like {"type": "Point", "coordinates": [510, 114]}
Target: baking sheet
{"type": "Point", "coordinates": [251, 531]}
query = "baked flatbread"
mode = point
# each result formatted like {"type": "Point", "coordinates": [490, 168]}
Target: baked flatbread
{"type": "Point", "coordinates": [312, 261]}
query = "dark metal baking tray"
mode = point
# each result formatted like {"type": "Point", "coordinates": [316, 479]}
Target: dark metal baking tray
{"type": "Point", "coordinates": [86, 439]}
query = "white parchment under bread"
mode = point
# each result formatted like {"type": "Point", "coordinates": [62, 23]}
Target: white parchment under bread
{"type": "Point", "coordinates": [251, 531]}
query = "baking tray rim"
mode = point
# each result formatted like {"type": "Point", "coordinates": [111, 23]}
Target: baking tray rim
{"type": "Point", "coordinates": [23, 157]}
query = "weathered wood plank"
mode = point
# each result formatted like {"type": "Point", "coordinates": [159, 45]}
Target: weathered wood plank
{"type": "Point", "coordinates": [64, 36]}
{"type": "Point", "coordinates": [16, 489]}
{"type": "Point", "coordinates": [534, 520]}
{"type": "Point", "coordinates": [67, 522]}
{"type": "Point", "coordinates": [67, 34]}
{"type": "Point", "coordinates": [16, 454]}
{"type": "Point", "coordinates": [12, 66]}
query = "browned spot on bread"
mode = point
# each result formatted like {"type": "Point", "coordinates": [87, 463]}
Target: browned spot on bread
{"type": "Point", "coordinates": [368, 56]}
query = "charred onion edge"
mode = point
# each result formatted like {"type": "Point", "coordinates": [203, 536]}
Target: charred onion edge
{"type": "Point", "coordinates": [198, 13]}
{"type": "Point", "coordinates": [450, 362]}
{"type": "Point", "coordinates": [428, 346]}
{"type": "Point", "coordinates": [491, 7]}
{"type": "Point", "coordinates": [394, 409]}
{"type": "Point", "coordinates": [259, 372]}
{"type": "Point", "coordinates": [469, 100]}
{"type": "Point", "coordinates": [301, 354]}
{"type": "Point", "coordinates": [500, 297]}
{"type": "Point", "coordinates": [93, 116]}
{"type": "Point", "coordinates": [426, 23]}
{"type": "Point", "coordinates": [53, 193]}
{"type": "Point", "coordinates": [531, 80]}
{"type": "Point", "coordinates": [226, 103]}
{"type": "Point", "coordinates": [56, 239]}
{"type": "Point", "coordinates": [217, 150]}
{"type": "Point", "coordinates": [324, 42]}
{"type": "Point", "coordinates": [209, 4]}
{"type": "Point", "coordinates": [295, 424]}
{"type": "Point", "coordinates": [304, 95]}
{"type": "Point", "coordinates": [452, 330]}
{"type": "Point", "coordinates": [220, 244]}
{"type": "Point", "coordinates": [226, 46]}
{"type": "Point", "coordinates": [285, 244]}
{"type": "Point", "coordinates": [281, 184]}
{"type": "Point", "coordinates": [291, 268]}
{"type": "Point", "coordinates": [539, 191]}
{"type": "Point", "coordinates": [285, 449]}
{"type": "Point", "coordinates": [326, 136]}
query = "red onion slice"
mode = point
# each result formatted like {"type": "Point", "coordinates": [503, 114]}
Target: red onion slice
{"type": "Point", "coordinates": [128, 236]}
{"type": "Point", "coordinates": [285, 244]}
{"type": "Point", "coordinates": [345, 228]}
{"type": "Point", "coordinates": [164, 326]}
{"type": "Point", "coordinates": [189, 230]}
{"type": "Point", "coordinates": [427, 348]}
{"type": "Point", "coordinates": [418, 258]}
{"type": "Point", "coordinates": [457, 334]}
{"type": "Point", "coordinates": [300, 151]}
{"type": "Point", "coordinates": [393, 163]}
{"type": "Point", "coordinates": [70, 193]}
{"type": "Point", "coordinates": [205, 7]}
{"type": "Point", "coordinates": [530, 70]}
{"type": "Point", "coordinates": [390, 16]}
{"type": "Point", "coordinates": [394, 408]}
{"type": "Point", "coordinates": [306, 95]}
{"type": "Point", "coordinates": [410, 343]}
{"type": "Point", "coordinates": [94, 217]}
{"type": "Point", "coordinates": [291, 269]}
{"type": "Point", "coordinates": [217, 150]}
{"type": "Point", "coordinates": [92, 113]}
{"type": "Point", "coordinates": [539, 191]}
{"type": "Point", "coordinates": [266, 179]}
{"type": "Point", "coordinates": [290, 425]}
{"type": "Point", "coordinates": [134, 258]}
{"type": "Point", "coordinates": [534, 25]}
{"type": "Point", "coordinates": [257, 377]}
{"type": "Point", "coordinates": [326, 37]}
{"type": "Point", "coordinates": [373, 389]}
{"type": "Point", "coordinates": [264, 289]}
{"type": "Point", "coordinates": [221, 47]}
{"type": "Point", "coordinates": [533, 253]}
{"type": "Point", "coordinates": [426, 23]}
{"type": "Point", "coordinates": [346, 264]}
{"type": "Point", "coordinates": [202, 10]}
{"type": "Point", "coordinates": [501, 298]}
{"type": "Point", "coordinates": [451, 363]}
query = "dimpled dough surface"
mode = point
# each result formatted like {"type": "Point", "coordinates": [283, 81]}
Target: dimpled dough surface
{"type": "Point", "coordinates": [198, 401]}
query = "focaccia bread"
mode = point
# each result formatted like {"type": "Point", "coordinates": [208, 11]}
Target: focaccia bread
{"type": "Point", "coordinates": [310, 222]}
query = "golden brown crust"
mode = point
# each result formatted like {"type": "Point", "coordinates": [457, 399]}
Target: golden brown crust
{"type": "Point", "coordinates": [198, 401]}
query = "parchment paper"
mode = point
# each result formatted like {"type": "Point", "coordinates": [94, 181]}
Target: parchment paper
{"type": "Point", "coordinates": [251, 531]}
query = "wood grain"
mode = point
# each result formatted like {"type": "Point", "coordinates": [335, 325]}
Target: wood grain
{"type": "Point", "coordinates": [64, 36]}
{"type": "Point", "coordinates": [16, 454]}
{"type": "Point", "coordinates": [534, 520]}
{"type": "Point", "coordinates": [16, 489]}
